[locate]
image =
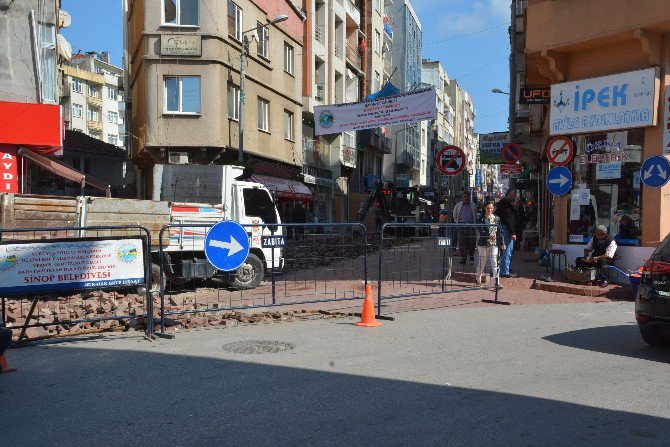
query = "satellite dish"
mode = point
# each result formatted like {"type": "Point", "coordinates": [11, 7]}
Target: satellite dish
{"type": "Point", "coordinates": [64, 19]}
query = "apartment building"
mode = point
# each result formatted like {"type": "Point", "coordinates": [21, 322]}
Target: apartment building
{"type": "Point", "coordinates": [186, 101]}
{"type": "Point", "coordinates": [404, 164]}
{"type": "Point", "coordinates": [92, 98]}
{"type": "Point", "coordinates": [333, 65]}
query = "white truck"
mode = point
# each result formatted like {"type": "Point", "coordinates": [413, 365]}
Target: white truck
{"type": "Point", "coordinates": [184, 195]}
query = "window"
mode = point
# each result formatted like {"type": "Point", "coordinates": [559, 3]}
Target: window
{"type": "Point", "coordinates": [378, 81]}
{"type": "Point", "coordinates": [182, 94]}
{"type": "Point", "coordinates": [180, 12]}
{"type": "Point", "coordinates": [112, 139]}
{"type": "Point", "coordinates": [111, 93]}
{"type": "Point", "coordinates": [378, 6]}
{"type": "Point", "coordinates": [288, 58]}
{"type": "Point", "coordinates": [288, 125]}
{"type": "Point", "coordinates": [77, 85]}
{"type": "Point", "coordinates": [113, 117]}
{"type": "Point", "coordinates": [233, 102]}
{"type": "Point", "coordinates": [93, 91]}
{"type": "Point", "coordinates": [263, 40]}
{"type": "Point", "coordinates": [77, 111]}
{"type": "Point", "coordinates": [234, 20]}
{"type": "Point", "coordinates": [92, 114]}
{"type": "Point", "coordinates": [378, 44]}
{"type": "Point", "coordinates": [47, 42]}
{"type": "Point", "coordinates": [257, 203]}
{"type": "Point", "coordinates": [263, 114]}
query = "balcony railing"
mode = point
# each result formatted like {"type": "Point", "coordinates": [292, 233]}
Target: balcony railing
{"type": "Point", "coordinates": [353, 56]}
{"type": "Point", "coordinates": [353, 12]}
{"type": "Point", "coordinates": [375, 139]}
{"type": "Point", "coordinates": [316, 155]}
{"type": "Point", "coordinates": [320, 33]}
{"type": "Point", "coordinates": [338, 50]}
{"type": "Point", "coordinates": [94, 125]}
{"type": "Point", "coordinates": [388, 31]}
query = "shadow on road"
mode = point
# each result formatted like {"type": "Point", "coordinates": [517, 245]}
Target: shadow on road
{"type": "Point", "coordinates": [79, 397]}
{"type": "Point", "coordinates": [621, 340]}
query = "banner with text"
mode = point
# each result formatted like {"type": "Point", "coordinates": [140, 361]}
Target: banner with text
{"type": "Point", "coordinates": [61, 265]}
{"type": "Point", "coordinates": [490, 147]}
{"type": "Point", "coordinates": [410, 107]}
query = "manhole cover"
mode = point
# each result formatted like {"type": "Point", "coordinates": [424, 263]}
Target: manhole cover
{"type": "Point", "coordinates": [257, 347]}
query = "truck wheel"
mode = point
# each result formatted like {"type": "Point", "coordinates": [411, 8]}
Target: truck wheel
{"type": "Point", "coordinates": [250, 274]}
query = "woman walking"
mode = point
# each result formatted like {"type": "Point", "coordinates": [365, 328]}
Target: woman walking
{"type": "Point", "coordinates": [488, 246]}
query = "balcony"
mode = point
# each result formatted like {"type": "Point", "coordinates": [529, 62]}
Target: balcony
{"type": "Point", "coordinates": [353, 57]}
{"type": "Point", "coordinates": [409, 158]}
{"type": "Point", "coordinates": [348, 156]}
{"type": "Point", "coordinates": [320, 91]}
{"type": "Point", "coordinates": [338, 50]}
{"type": "Point", "coordinates": [373, 138]}
{"type": "Point", "coordinates": [353, 12]}
{"type": "Point", "coordinates": [388, 31]}
{"type": "Point", "coordinates": [320, 33]}
{"type": "Point", "coordinates": [95, 126]}
{"type": "Point", "coordinates": [95, 101]}
{"type": "Point", "coordinates": [388, 67]}
{"type": "Point", "coordinates": [316, 158]}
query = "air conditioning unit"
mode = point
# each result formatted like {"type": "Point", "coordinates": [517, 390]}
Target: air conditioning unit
{"type": "Point", "coordinates": [178, 158]}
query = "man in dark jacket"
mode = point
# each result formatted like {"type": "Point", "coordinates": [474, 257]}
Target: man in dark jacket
{"type": "Point", "coordinates": [299, 215]}
{"type": "Point", "coordinates": [507, 214]}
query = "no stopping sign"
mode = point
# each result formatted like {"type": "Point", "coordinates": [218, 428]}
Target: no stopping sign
{"type": "Point", "coordinates": [450, 160]}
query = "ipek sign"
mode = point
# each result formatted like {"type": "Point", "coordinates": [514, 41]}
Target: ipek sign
{"type": "Point", "coordinates": [620, 101]}
{"type": "Point", "coordinates": [9, 172]}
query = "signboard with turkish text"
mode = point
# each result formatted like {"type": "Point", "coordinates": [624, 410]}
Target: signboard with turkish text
{"type": "Point", "coordinates": [409, 107]}
{"type": "Point", "coordinates": [490, 147]}
{"type": "Point", "coordinates": [71, 264]}
{"type": "Point", "coordinates": [620, 101]}
{"type": "Point", "coordinates": [9, 170]}
{"type": "Point", "coordinates": [181, 45]}
{"type": "Point", "coordinates": [539, 94]}
{"type": "Point", "coordinates": [511, 169]}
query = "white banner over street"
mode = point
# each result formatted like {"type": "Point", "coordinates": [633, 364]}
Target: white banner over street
{"type": "Point", "coordinates": [410, 107]}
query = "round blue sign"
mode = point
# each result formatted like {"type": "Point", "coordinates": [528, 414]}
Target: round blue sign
{"type": "Point", "coordinates": [227, 245]}
{"type": "Point", "coordinates": [559, 181]}
{"type": "Point", "coordinates": [655, 171]}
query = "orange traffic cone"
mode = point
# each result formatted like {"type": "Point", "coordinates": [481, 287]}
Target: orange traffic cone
{"type": "Point", "coordinates": [3, 365]}
{"type": "Point", "coordinates": [368, 314]}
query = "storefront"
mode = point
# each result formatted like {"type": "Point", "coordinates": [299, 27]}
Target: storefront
{"type": "Point", "coordinates": [609, 119]}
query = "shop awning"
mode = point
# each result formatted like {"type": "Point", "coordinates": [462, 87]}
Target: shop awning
{"type": "Point", "coordinates": [284, 188]}
{"type": "Point", "coordinates": [64, 171]}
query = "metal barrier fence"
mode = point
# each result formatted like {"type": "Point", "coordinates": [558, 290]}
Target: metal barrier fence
{"type": "Point", "coordinates": [320, 262]}
{"type": "Point", "coordinates": [63, 280]}
{"type": "Point", "coordinates": [427, 258]}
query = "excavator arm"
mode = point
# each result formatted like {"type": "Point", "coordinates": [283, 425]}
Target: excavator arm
{"type": "Point", "coordinates": [377, 194]}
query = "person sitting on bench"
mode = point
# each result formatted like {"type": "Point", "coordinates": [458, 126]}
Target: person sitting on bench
{"type": "Point", "coordinates": [602, 248]}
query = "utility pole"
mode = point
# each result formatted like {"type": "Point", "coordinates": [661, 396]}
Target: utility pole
{"type": "Point", "coordinates": [513, 88]}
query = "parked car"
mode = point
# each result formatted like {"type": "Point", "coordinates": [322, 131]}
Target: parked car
{"type": "Point", "coordinates": [652, 302]}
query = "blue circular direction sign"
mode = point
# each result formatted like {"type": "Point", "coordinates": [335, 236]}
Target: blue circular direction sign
{"type": "Point", "coordinates": [655, 171]}
{"type": "Point", "coordinates": [559, 181]}
{"type": "Point", "coordinates": [227, 245]}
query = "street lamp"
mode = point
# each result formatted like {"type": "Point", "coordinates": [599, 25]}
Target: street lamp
{"type": "Point", "coordinates": [243, 62]}
{"type": "Point", "coordinates": [497, 90]}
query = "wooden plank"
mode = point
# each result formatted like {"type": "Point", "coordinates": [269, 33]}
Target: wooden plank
{"type": "Point", "coordinates": [45, 208]}
{"type": "Point", "coordinates": [126, 206]}
{"type": "Point", "coordinates": [36, 200]}
{"type": "Point", "coordinates": [39, 215]}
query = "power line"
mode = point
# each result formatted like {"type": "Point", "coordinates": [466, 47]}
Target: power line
{"type": "Point", "coordinates": [492, 115]}
{"type": "Point", "coordinates": [458, 78]}
{"type": "Point", "coordinates": [466, 35]}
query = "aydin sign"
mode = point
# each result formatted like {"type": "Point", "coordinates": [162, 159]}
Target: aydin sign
{"type": "Point", "coordinates": [612, 102]}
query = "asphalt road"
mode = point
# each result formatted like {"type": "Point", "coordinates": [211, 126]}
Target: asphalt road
{"type": "Point", "coordinates": [519, 375]}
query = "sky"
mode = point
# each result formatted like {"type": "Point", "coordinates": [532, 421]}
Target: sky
{"type": "Point", "coordinates": [469, 38]}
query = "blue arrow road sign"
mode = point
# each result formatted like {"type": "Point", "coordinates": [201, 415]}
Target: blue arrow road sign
{"type": "Point", "coordinates": [655, 171]}
{"type": "Point", "coordinates": [227, 245]}
{"type": "Point", "coordinates": [559, 181]}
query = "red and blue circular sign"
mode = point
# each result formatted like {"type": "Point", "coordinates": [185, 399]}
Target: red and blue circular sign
{"type": "Point", "coordinates": [511, 153]}
{"type": "Point", "coordinates": [450, 160]}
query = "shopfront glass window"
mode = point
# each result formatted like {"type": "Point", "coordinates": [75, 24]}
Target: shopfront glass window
{"type": "Point", "coordinates": [606, 187]}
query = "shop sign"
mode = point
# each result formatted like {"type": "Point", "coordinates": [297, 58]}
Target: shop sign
{"type": "Point", "coordinates": [602, 145]}
{"type": "Point", "coordinates": [9, 172]}
{"type": "Point", "coordinates": [59, 265]}
{"type": "Point", "coordinates": [511, 169]}
{"type": "Point", "coordinates": [181, 45]}
{"type": "Point", "coordinates": [535, 95]}
{"type": "Point", "coordinates": [621, 101]}
{"type": "Point", "coordinates": [490, 147]}
{"type": "Point", "coordinates": [607, 157]}
{"type": "Point", "coordinates": [608, 171]}
{"type": "Point", "coordinates": [666, 121]}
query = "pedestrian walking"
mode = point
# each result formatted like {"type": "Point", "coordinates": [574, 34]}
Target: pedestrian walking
{"type": "Point", "coordinates": [465, 212]}
{"type": "Point", "coordinates": [299, 215]}
{"type": "Point", "coordinates": [507, 214]}
{"type": "Point", "coordinates": [489, 245]}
